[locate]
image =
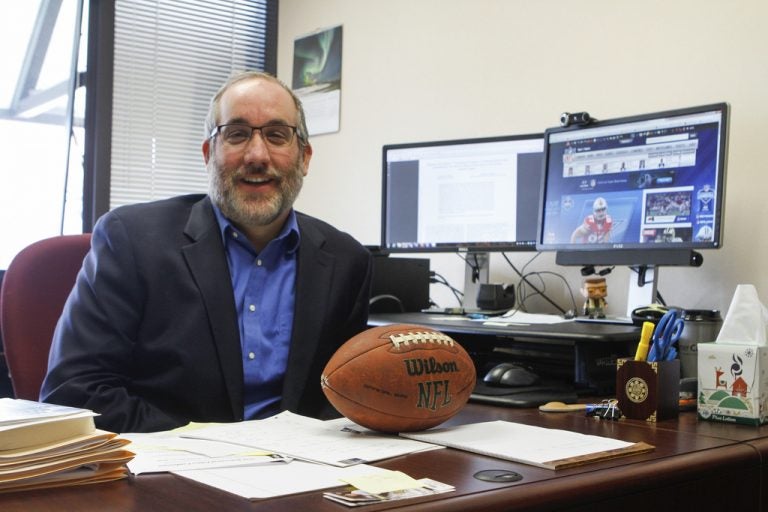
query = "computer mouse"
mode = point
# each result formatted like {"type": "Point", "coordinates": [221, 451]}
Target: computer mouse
{"type": "Point", "coordinates": [494, 374]}
{"type": "Point", "coordinates": [519, 376]}
{"type": "Point", "coordinates": [510, 374]}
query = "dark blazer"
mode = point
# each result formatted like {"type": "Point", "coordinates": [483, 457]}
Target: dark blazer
{"type": "Point", "coordinates": [149, 335]}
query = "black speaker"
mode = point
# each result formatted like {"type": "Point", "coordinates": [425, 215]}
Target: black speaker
{"type": "Point", "coordinates": [496, 297]}
{"type": "Point", "coordinates": [403, 280]}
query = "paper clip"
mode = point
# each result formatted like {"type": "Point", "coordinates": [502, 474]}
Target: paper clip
{"type": "Point", "coordinates": [607, 409]}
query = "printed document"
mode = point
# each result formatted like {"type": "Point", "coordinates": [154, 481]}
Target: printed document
{"type": "Point", "coordinates": [312, 440]}
{"type": "Point", "coordinates": [160, 452]}
{"type": "Point", "coordinates": [254, 482]}
{"type": "Point", "coordinates": [537, 446]}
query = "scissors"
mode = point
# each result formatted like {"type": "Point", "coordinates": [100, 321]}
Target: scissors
{"type": "Point", "coordinates": [666, 334]}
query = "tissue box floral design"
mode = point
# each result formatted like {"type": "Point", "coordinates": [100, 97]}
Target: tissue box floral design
{"type": "Point", "coordinates": [733, 383]}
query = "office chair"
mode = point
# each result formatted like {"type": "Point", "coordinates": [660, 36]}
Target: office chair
{"type": "Point", "coordinates": [5, 380]}
{"type": "Point", "coordinates": [34, 289]}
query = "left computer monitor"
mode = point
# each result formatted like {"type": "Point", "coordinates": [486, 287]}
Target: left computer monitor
{"type": "Point", "coordinates": [461, 195]}
{"type": "Point", "coordinates": [470, 195]}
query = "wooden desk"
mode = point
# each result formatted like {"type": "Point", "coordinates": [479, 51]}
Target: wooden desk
{"type": "Point", "coordinates": [687, 469]}
{"type": "Point", "coordinates": [754, 436]}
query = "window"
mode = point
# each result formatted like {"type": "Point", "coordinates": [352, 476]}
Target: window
{"type": "Point", "coordinates": [150, 69]}
{"type": "Point", "coordinates": [41, 121]}
{"type": "Point", "coordinates": [170, 57]}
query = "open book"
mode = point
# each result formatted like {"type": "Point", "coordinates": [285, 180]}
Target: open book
{"type": "Point", "coordinates": [537, 446]}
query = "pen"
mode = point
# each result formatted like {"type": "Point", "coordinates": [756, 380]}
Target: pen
{"type": "Point", "coordinates": [645, 338]}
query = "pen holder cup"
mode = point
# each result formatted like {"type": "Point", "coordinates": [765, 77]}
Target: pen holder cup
{"type": "Point", "coordinates": [648, 391]}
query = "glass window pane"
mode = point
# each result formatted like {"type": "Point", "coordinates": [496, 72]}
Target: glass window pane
{"type": "Point", "coordinates": [16, 25]}
{"type": "Point", "coordinates": [34, 135]}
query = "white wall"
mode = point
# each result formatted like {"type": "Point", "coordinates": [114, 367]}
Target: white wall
{"type": "Point", "coordinates": [417, 70]}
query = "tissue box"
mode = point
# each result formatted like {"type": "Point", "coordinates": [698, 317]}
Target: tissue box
{"type": "Point", "coordinates": [733, 383]}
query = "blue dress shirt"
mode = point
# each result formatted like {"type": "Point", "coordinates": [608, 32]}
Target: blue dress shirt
{"type": "Point", "coordinates": [264, 286]}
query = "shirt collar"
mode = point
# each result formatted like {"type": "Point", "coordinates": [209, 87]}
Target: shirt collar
{"type": "Point", "coordinates": [289, 234]}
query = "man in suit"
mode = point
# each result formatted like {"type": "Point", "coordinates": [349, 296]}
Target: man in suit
{"type": "Point", "coordinates": [218, 307]}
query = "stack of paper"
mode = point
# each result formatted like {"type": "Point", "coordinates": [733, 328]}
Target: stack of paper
{"type": "Point", "coordinates": [284, 454]}
{"type": "Point", "coordinates": [158, 452]}
{"type": "Point", "coordinates": [309, 439]}
{"type": "Point", "coordinates": [45, 445]}
{"type": "Point", "coordinates": [537, 446]}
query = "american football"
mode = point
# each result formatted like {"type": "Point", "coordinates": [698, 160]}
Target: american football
{"type": "Point", "coordinates": [399, 378]}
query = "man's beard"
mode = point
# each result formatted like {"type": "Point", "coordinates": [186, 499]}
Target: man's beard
{"type": "Point", "coordinates": [254, 210]}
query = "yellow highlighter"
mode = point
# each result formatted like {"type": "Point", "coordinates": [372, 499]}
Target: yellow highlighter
{"type": "Point", "coordinates": [645, 341]}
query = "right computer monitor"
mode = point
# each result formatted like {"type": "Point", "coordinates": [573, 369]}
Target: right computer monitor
{"type": "Point", "coordinates": [641, 190]}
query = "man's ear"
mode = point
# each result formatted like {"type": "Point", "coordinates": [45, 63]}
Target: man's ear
{"type": "Point", "coordinates": [306, 158]}
{"type": "Point", "coordinates": [206, 150]}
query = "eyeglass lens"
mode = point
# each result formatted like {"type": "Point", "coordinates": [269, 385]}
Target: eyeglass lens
{"type": "Point", "coordinates": [275, 135]}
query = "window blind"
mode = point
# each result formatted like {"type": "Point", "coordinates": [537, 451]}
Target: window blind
{"type": "Point", "coordinates": [170, 57]}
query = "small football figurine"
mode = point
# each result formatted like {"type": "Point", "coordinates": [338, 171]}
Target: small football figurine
{"type": "Point", "coordinates": [399, 378]}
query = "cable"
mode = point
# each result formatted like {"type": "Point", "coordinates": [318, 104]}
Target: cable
{"type": "Point", "coordinates": [475, 266]}
{"type": "Point", "coordinates": [524, 295]}
{"type": "Point", "coordinates": [640, 270]}
{"type": "Point", "coordinates": [434, 277]}
{"type": "Point", "coordinates": [524, 280]}
{"type": "Point", "coordinates": [562, 278]}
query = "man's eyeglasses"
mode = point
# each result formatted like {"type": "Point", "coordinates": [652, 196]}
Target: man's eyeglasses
{"type": "Point", "coordinates": [274, 135]}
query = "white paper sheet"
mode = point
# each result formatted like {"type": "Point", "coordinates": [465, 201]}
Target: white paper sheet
{"type": "Point", "coordinates": [515, 317]}
{"type": "Point", "coordinates": [166, 451]}
{"type": "Point", "coordinates": [277, 480]}
{"type": "Point", "coordinates": [310, 439]}
{"type": "Point", "coordinates": [518, 442]}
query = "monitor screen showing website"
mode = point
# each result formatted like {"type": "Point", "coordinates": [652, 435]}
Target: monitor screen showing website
{"type": "Point", "coordinates": [470, 194]}
{"type": "Point", "coordinates": [645, 184]}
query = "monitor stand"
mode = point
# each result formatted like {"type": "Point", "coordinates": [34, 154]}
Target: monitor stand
{"type": "Point", "coordinates": [642, 288]}
{"type": "Point", "coordinates": [476, 272]}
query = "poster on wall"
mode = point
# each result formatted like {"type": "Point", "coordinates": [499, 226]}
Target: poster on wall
{"type": "Point", "coordinates": [317, 78]}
